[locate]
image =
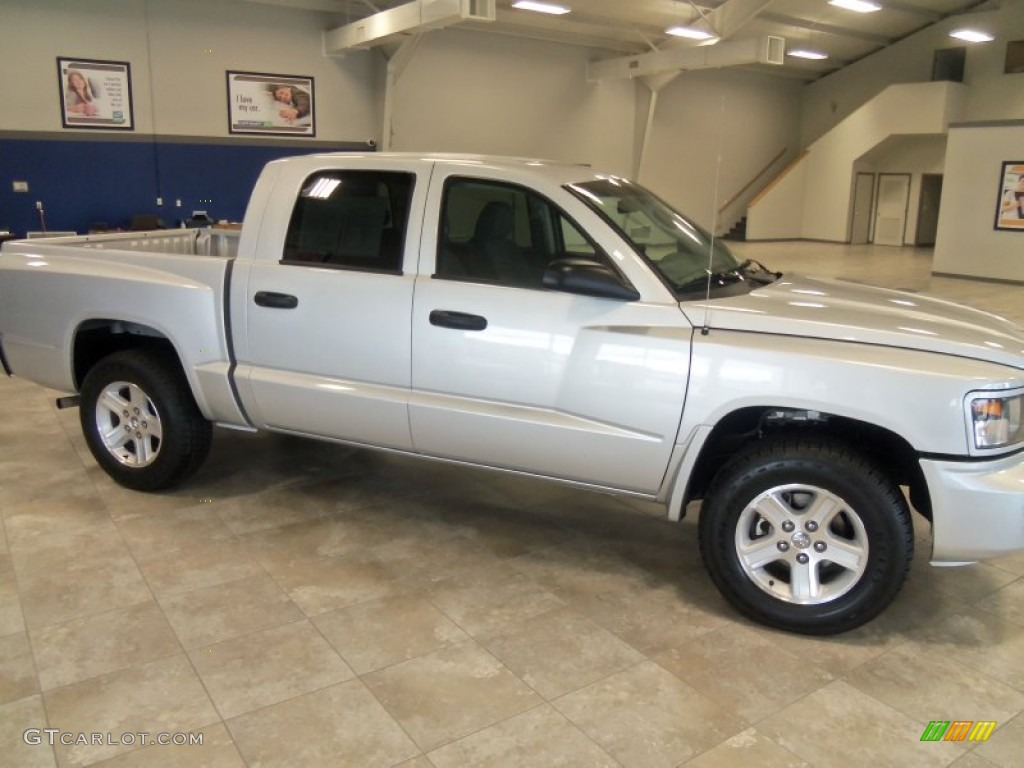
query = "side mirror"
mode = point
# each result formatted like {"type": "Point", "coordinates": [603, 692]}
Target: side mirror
{"type": "Point", "coordinates": [588, 278]}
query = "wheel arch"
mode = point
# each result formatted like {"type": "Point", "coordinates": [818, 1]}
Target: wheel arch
{"type": "Point", "coordinates": [95, 339]}
{"type": "Point", "coordinates": [743, 426]}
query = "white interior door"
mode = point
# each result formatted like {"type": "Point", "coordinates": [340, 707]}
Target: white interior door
{"type": "Point", "coordinates": [891, 211]}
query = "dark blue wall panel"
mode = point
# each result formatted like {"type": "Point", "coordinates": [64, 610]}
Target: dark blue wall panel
{"type": "Point", "coordinates": [84, 182]}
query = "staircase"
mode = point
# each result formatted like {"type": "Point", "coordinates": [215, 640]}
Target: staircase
{"type": "Point", "coordinates": [738, 231]}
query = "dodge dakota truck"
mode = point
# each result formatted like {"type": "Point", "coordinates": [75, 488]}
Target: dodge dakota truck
{"type": "Point", "coordinates": [553, 321]}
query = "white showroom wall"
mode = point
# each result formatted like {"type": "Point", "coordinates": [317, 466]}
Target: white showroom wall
{"type": "Point", "coordinates": [743, 118]}
{"type": "Point", "coordinates": [486, 93]}
{"type": "Point", "coordinates": [179, 53]}
{"type": "Point", "coordinates": [968, 243]}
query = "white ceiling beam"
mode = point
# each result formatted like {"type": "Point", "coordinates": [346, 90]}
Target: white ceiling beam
{"type": "Point", "coordinates": [730, 16]}
{"type": "Point", "coordinates": [409, 18]}
{"type": "Point", "coordinates": [764, 50]}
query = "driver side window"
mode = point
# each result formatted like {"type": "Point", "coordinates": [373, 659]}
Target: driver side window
{"type": "Point", "coordinates": [503, 233]}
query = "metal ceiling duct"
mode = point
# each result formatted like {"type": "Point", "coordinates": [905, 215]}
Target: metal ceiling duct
{"type": "Point", "coordinates": [764, 50]}
{"type": "Point", "coordinates": [407, 19]}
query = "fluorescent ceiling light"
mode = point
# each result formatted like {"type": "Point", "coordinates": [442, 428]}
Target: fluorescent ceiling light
{"type": "Point", "coordinates": [860, 6]}
{"type": "Point", "coordinates": [803, 53]}
{"type": "Point", "coordinates": [971, 35]}
{"type": "Point", "coordinates": [529, 5]}
{"type": "Point", "coordinates": [690, 32]}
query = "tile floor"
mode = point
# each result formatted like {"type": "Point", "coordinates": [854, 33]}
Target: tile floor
{"type": "Point", "coordinates": [302, 604]}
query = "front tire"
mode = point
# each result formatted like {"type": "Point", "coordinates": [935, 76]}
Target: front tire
{"type": "Point", "coordinates": [806, 535]}
{"type": "Point", "coordinates": [141, 422]}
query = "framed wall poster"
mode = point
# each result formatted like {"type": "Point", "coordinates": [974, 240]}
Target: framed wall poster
{"type": "Point", "coordinates": [1010, 209]}
{"type": "Point", "coordinates": [280, 105]}
{"type": "Point", "coordinates": [95, 93]}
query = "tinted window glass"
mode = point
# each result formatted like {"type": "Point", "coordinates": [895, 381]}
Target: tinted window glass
{"type": "Point", "coordinates": [351, 219]}
{"type": "Point", "coordinates": [503, 233]}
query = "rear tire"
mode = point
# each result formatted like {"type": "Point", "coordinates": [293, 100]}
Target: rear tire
{"type": "Point", "coordinates": [806, 535]}
{"type": "Point", "coordinates": [141, 422]}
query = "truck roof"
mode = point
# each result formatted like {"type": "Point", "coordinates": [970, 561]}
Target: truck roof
{"type": "Point", "coordinates": [553, 170]}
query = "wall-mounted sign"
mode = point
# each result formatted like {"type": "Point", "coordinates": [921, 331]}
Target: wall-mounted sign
{"type": "Point", "coordinates": [1010, 211]}
{"type": "Point", "coordinates": [95, 93]}
{"type": "Point", "coordinates": [270, 104]}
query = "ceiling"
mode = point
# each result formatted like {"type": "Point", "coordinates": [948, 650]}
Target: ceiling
{"type": "Point", "coordinates": [630, 27]}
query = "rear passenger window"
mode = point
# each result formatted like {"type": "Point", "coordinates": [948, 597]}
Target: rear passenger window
{"type": "Point", "coordinates": [351, 220]}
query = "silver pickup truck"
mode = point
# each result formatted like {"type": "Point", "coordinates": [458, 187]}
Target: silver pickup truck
{"type": "Point", "coordinates": [548, 320]}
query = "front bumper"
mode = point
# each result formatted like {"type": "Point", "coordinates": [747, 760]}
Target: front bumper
{"type": "Point", "coordinates": [977, 508]}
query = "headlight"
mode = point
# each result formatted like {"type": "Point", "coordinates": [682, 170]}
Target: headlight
{"type": "Point", "coordinates": [997, 421]}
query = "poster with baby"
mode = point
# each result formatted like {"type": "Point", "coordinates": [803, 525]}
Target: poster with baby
{"type": "Point", "coordinates": [95, 93]}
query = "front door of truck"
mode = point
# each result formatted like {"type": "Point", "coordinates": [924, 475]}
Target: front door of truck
{"type": "Point", "coordinates": [510, 374]}
{"type": "Point", "coordinates": [326, 349]}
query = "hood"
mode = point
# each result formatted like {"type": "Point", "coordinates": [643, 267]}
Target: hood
{"type": "Point", "coordinates": [833, 309]}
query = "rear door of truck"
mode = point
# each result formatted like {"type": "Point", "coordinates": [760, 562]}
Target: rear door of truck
{"type": "Point", "coordinates": [324, 347]}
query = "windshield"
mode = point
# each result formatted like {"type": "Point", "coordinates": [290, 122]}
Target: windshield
{"type": "Point", "coordinates": [674, 245]}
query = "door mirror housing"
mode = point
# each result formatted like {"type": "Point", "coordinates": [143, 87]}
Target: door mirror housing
{"type": "Point", "coordinates": [588, 278]}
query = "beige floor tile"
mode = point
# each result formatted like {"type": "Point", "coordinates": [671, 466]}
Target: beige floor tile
{"type": "Point", "coordinates": [560, 651]}
{"type": "Point", "coordinates": [503, 529]}
{"type": "Point", "coordinates": [416, 762]}
{"type": "Point", "coordinates": [836, 654]}
{"type": "Point", "coordinates": [271, 509]}
{"type": "Point", "coordinates": [418, 554]}
{"type": "Point", "coordinates": [974, 760]}
{"type": "Point", "coordinates": [328, 537]}
{"type": "Point", "coordinates": [749, 747]}
{"type": "Point", "coordinates": [980, 640]}
{"type": "Point", "coordinates": [211, 615]}
{"type": "Point", "coordinates": [17, 717]}
{"type": "Point", "coordinates": [81, 587]}
{"type": "Point", "coordinates": [205, 564]}
{"type": "Point", "coordinates": [484, 601]}
{"type": "Point", "coordinates": [653, 620]}
{"type": "Point", "coordinates": [931, 685]}
{"type": "Point", "coordinates": [160, 696]}
{"type": "Point", "coordinates": [172, 532]}
{"type": "Point", "coordinates": [840, 726]}
{"type": "Point", "coordinates": [75, 550]}
{"type": "Point", "coordinates": [1005, 746]}
{"type": "Point", "coordinates": [11, 618]}
{"type": "Point", "coordinates": [104, 642]}
{"type": "Point", "coordinates": [267, 667]}
{"type": "Point", "coordinates": [645, 716]}
{"type": "Point", "coordinates": [123, 503]}
{"type": "Point", "coordinates": [540, 737]}
{"type": "Point", "coordinates": [342, 725]}
{"type": "Point", "coordinates": [1011, 563]}
{"type": "Point", "coordinates": [582, 570]}
{"type": "Point", "coordinates": [1007, 603]}
{"type": "Point", "coordinates": [743, 671]}
{"type": "Point", "coordinates": [379, 633]}
{"type": "Point", "coordinates": [450, 693]}
{"type": "Point", "coordinates": [17, 672]}
{"type": "Point", "coordinates": [37, 527]}
{"type": "Point", "coordinates": [65, 478]}
{"type": "Point", "coordinates": [321, 584]}
{"type": "Point", "coordinates": [216, 751]}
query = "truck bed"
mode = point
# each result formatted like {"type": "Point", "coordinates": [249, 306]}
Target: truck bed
{"type": "Point", "coordinates": [188, 242]}
{"type": "Point", "coordinates": [168, 284]}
